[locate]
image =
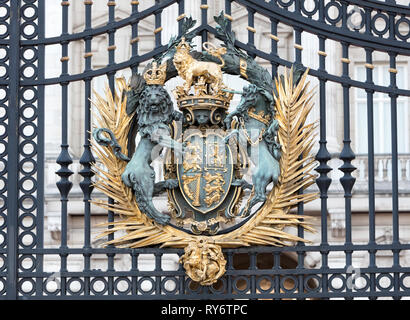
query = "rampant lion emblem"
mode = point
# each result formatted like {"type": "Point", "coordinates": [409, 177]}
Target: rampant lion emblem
{"type": "Point", "coordinates": [153, 113]}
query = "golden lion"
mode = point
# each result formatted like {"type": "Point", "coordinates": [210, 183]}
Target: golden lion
{"type": "Point", "coordinates": [192, 70]}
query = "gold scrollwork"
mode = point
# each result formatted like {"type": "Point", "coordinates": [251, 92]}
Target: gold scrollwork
{"type": "Point", "coordinates": [243, 65]}
{"type": "Point", "coordinates": [199, 226]}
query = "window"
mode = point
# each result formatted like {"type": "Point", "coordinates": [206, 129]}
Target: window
{"type": "Point", "coordinates": [382, 112]}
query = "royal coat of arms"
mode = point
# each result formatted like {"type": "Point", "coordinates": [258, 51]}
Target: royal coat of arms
{"type": "Point", "coordinates": [231, 177]}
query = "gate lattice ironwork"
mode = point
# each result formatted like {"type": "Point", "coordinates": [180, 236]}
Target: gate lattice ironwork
{"type": "Point", "coordinates": [22, 86]}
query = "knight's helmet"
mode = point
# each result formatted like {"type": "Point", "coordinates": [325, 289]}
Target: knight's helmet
{"type": "Point", "coordinates": [206, 101]}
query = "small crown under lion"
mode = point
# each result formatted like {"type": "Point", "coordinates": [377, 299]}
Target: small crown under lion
{"type": "Point", "coordinates": [156, 75]}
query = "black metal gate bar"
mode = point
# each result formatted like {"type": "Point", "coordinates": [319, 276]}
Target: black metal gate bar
{"type": "Point", "coordinates": [229, 255]}
{"type": "Point", "coordinates": [181, 15]}
{"type": "Point", "coordinates": [370, 144]}
{"type": "Point", "coordinates": [329, 27]}
{"type": "Point", "coordinates": [274, 44]}
{"type": "Point", "coordinates": [158, 27]}
{"type": "Point", "coordinates": [395, 161]}
{"type": "Point", "coordinates": [64, 159]}
{"type": "Point", "coordinates": [30, 147]}
{"type": "Point", "coordinates": [134, 37]}
{"type": "Point", "coordinates": [40, 145]}
{"type": "Point", "coordinates": [300, 209]}
{"type": "Point", "coordinates": [293, 13]}
{"type": "Point", "coordinates": [228, 12]}
{"type": "Point", "coordinates": [12, 150]}
{"type": "Point", "coordinates": [261, 249]}
{"type": "Point", "coordinates": [251, 30]}
{"type": "Point", "coordinates": [87, 157]}
{"type": "Point", "coordinates": [133, 286]}
{"type": "Point", "coordinates": [347, 155]}
{"type": "Point", "coordinates": [204, 19]}
{"type": "Point", "coordinates": [323, 156]}
{"type": "Point", "coordinates": [111, 81]}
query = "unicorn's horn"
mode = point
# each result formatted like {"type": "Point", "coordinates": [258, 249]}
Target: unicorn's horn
{"type": "Point", "coordinates": [232, 91]}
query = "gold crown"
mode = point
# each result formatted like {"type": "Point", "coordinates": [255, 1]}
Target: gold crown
{"type": "Point", "coordinates": [203, 102]}
{"type": "Point", "coordinates": [156, 75]}
{"type": "Point", "coordinates": [260, 116]}
{"type": "Point", "coordinates": [183, 45]}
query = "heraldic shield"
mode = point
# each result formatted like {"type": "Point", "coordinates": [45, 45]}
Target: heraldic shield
{"type": "Point", "coordinates": [231, 177]}
{"type": "Point", "coordinates": [205, 177]}
{"type": "Point", "coordinates": [205, 174]}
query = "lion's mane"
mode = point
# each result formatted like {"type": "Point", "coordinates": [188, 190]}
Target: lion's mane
{"type": "Point", "coordinates": [149, 121]}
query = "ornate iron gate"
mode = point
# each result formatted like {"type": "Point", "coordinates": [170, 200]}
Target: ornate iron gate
{"type": "Point", "coordinates": [22, 85]}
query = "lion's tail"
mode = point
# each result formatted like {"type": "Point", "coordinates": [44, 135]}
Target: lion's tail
{"type": "Point", "coordinates": [218, 53]}
{"type": "Point", "coordinates": [111, 141]}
